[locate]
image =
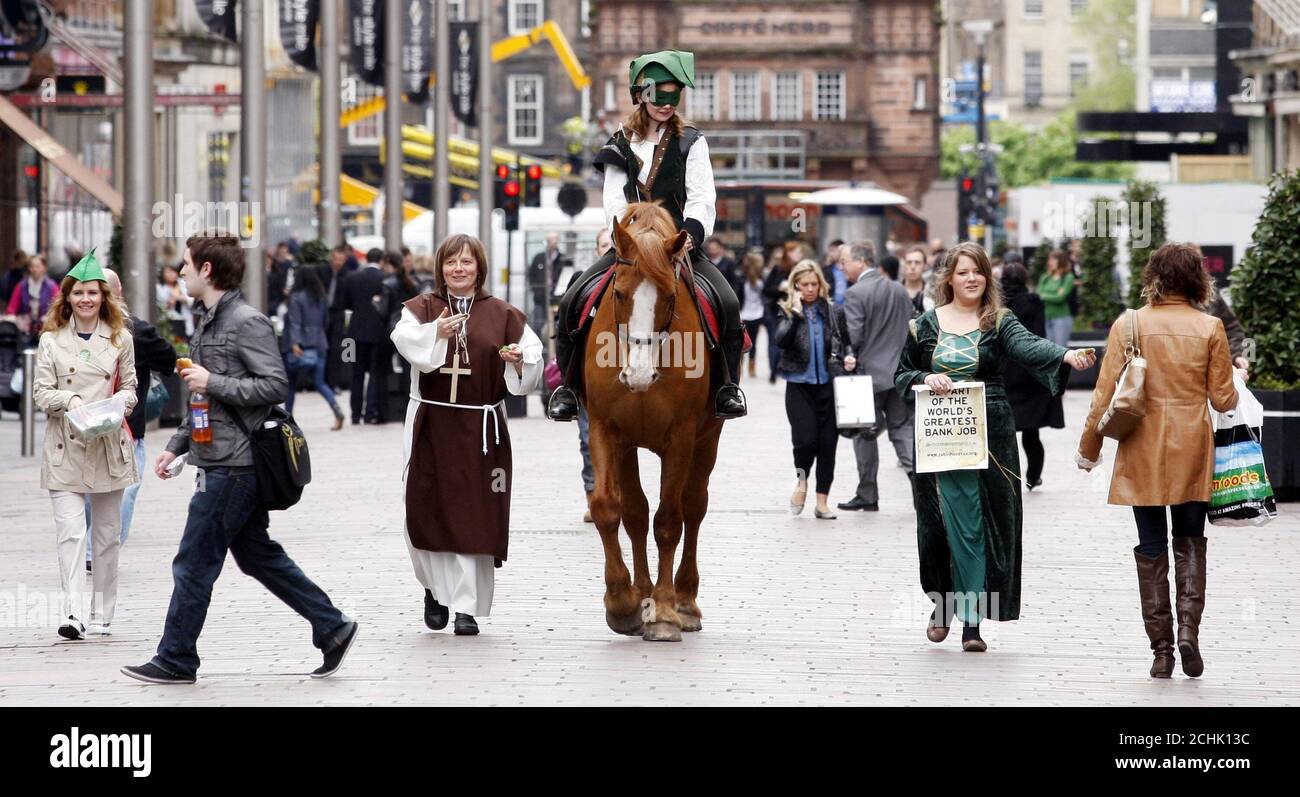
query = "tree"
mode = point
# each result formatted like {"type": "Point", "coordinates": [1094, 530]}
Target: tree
{"type": "Point", "coordinates": [1099, 295]}
{"type": "Point", "coordinates": [1144, 198]}
{"type": "Point", "coordinates": [1028, 157]}
{"type": "Point", "coordinates": [1265, 292]}
{"type": "Point", "coordinates": [1112, 82]}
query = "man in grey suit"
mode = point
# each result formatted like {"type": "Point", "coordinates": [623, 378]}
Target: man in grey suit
{"type": "Point", "coordinates": [876, 312]}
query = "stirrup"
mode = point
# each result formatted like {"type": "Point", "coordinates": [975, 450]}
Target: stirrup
{"type": "Point", "coordinates": [730, 392]}
{"type": "Point", "coordinates": [556, 410]}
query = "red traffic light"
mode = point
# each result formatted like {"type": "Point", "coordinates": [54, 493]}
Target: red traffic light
{"type": "Point", "coordinates": [32, 172]}
{"type": "Point", "coordinates": [967, 184]}
{"type": "Point", "coordinates": [512, 188]}
{"type": "Point", "coordinates": [503, 171]}
{"type": "Point", "coordinates": [534, 172]}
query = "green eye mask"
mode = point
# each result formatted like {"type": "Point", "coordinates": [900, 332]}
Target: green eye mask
{"type": "Point", "coordinates": [648, 93]}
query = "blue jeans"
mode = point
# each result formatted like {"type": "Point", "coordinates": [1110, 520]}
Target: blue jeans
{"type": "Point", "coordinates": [128, 498]}
{"type": "Point", "coordinates": [226, 515]}
{"type": "Point", "coordinates": [584, 436]}
{"type": "Point", "coordinates": [317, 378]}
{"type": "Point", "coordinates": [1058, 330]}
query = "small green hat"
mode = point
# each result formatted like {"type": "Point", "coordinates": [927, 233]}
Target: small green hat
{"type": "Point", "coordinates": [665, 65]}
{"type": "Point", "coordinates": [88, 269]}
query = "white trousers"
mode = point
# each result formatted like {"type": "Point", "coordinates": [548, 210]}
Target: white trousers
{"type": "Point", "coordinates": [70, 535]}
{"type": "Point", "coordinates": [464, 583]}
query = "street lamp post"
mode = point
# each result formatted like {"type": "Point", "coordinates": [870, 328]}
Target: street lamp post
{"type": "Point", "coordinates": [331, 226]}
{"type": "Point", "coordinates": [252, 124]}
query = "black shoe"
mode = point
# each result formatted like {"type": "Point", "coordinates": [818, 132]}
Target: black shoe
{"type": "Point", "coordinates": [1035, 483]}
{"type": "Point", "coordinates": [72, 629]}
{"type": "Point", "coordinates": [88, 570]}
{"type": "Point", "coordinates": [334, 659]}
{"type": "Point", "coordinates": [465, 625]}
{"type": "Point", "coordinates": [153, 674]}
{"type": "Point", "coordinates": [563, 405]}
{"type": "Point", "coordinates": [729, 403]}
{"type": "Point", "coordinates": [435, 614]}
{"type": "Point", "coordinates": [356, 421]}
{"type": "Point", "coordinates": [858, 505]}
{"type": "Point", "coordinates": [971, 641]}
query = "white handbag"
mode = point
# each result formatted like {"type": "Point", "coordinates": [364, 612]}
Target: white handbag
{"type": "Point", "coordinates": [855, 402]}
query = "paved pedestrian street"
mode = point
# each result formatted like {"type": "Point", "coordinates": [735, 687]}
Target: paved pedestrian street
{"type": "Point", "coordinates": [797, 611]}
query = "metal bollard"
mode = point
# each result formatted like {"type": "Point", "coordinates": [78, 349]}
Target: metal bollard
{"type": "Point", "coordinates": [29, 402]}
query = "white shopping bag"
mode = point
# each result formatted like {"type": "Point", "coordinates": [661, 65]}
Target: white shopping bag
{"type": "Point", "coordinates": [855, 402]}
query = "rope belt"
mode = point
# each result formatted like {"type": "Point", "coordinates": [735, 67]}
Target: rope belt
{"type": "Point", "coordinates": [486, 409]}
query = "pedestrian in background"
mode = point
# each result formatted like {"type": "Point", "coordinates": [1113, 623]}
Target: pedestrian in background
{"type": "Point", "coordinates": [32, 298]}
{"type": "Point", "coordinates": [236, 363]}
{"type": "Point", "coordinates": [969, 521]}
{"type": "Point", "coordinates": [604, 243]}
{"type": "Point", "coordinates": [913, 278]}
{"type": "Point", "coordinates": [1032, 404]}
{"type": "Point", "coordinates": [809, 343]}
{"type": "Point", "coordinates": [835, 276]}
{"type": "Point", "coordinates": [876, 312]}
{"type": "Point", "coordinates": [752, 307]}
{"type": "Point", "coordinates": [775, 284]}
{"type": "Point", "coordinates": [718, 255]}
{"type": "Point", "coordinates": [85, 354]}
{"type": "Point", "coordinates": [152, 355]}
{"type": "Point", "coordinates": [361, 294]}
{"type": "Point", "coordinates": [308, 342]}
{"type": "Point", "coordinates": [335, 370]}
{"type": "Point", "coordinates": [1164, 467]}
{"type": "Point", "coordinates": [1054, 288]}
{"type": "Point", "coordinates": [13, 275]}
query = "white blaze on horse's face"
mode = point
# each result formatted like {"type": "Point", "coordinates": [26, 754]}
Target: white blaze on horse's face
{"type": "Point", "coordinates": [639, 372]}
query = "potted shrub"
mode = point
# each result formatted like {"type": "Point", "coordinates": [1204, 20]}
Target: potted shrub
{"type": "Point", "coordinates": [1141, 193]}
{"type": "Point", "coordinates": [1265, 296]}
{"type": "Point", "coordinates": [1099, 294]}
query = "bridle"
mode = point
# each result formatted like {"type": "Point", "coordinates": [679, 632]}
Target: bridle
{"type": "Point", "coordinates": [619, 260]}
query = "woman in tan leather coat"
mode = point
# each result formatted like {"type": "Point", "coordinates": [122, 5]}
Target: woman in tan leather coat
{"type": "Point", "coordinates": [85, 355]}
{"type": "Point", "coordinates": [1168, 460]}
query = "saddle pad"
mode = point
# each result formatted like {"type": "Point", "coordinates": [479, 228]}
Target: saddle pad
{"type": "Point", "coordinates": [593, 298]}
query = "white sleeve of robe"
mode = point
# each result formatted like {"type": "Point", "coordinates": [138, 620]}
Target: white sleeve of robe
{"type": "Point", "coordinates": [613, 199]}
{"type": "Point", "coordinates": [525, 383]}
{"type": "Point", "coordinates": [419, 343]}
{"type": "Point", "coordinates": [701, 196]}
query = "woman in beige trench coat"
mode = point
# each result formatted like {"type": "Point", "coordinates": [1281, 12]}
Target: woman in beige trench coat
{"type": "Point", "coordinates": [1168, 460]}
{"type": "Point", "coordinates": [85, 355]}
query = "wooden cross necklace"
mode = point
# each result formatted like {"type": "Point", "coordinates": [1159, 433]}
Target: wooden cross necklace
{"type": "Point", "coordinates": [461, 354]}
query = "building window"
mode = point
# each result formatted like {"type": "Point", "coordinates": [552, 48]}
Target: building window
{"type": "Point", "coordinates": [919, 93]}
{"type": "Point", "coordinates": [1033, 9]}
{"type": "Point", "coordinates": [1077, 7]}
{"type": "Point", "coordinates": [524, 110]}
{"type": "Point", "coordinates": [703, 99]}
{"type": "Point", "coordinates": [744, 96]}
{"type": "Point", "coordinates": [611, 95]}
{"type": "Point", "coordinates": [787, 95]}
{"type": "Point", "coordinates": [830, 96]}
{"type": "Point", "coordinates": [523, 15]}
{"type": "Point", "coordinates": [584, 19]}
{"type": "Point", "coordinates": [456, 10]}
{"type": "Point", "coordinates": [368, 131]}
{"type": "Point", "coordinates": [1078, 74]}
{"type": "Point", "coordinates": [1033, 78]}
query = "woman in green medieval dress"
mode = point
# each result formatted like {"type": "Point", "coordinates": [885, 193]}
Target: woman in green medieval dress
{"type": "Point", "coordinates": [968, 522]}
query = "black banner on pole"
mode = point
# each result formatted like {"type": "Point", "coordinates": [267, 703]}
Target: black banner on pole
{"type": "Point", "coordinates": [417, 50]}
{"type": "Point", "coordinates": [368, 40]}
{"type": "Point", "coordinates": [219, 16]}
{"type": "Point", "coordinates": [464, 71]}
{"type": "Point", "coordinates": [298, 19]}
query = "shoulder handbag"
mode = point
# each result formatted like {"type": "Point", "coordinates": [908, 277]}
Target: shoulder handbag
{"type": "Point", "coordinates": [1128, 405]}
{"type": "Point", "coordinates": [280, 457]}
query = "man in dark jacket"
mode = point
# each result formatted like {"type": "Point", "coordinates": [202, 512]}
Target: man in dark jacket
{"type": "Point", "coordinates": [152, 354]}
{"type": "Point", "coordinates": [336, 372]}
{"type": "Point", "coordinates": [237, 365]}
{"type": "Point", "coordinates": [362, 293]}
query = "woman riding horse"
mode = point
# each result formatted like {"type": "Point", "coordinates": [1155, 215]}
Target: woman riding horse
{"type": "Point", "coordinates": [656, 157]}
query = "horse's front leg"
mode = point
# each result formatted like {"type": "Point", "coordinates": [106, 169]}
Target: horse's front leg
{"type": "Point", "coordinates": [622, 604]}
{"type": "Point", "coordinates": [636, 520]}
{"type": "Point", "coordinates": [662, 623]}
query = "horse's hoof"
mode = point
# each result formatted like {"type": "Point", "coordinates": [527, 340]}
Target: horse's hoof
{"type": "Point", "coordinates": [662, 632]}
{"type": "Point", "coordinates": [630, 625]}
{"type": "Point", "coordinates": [690, 622]}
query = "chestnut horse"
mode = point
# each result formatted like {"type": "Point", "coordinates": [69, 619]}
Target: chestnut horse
{"type": "Point", "coordinates": [651, 395]}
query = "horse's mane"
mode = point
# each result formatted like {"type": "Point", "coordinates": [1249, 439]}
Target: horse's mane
{"type": "Point", "coordinates": [651, 227]}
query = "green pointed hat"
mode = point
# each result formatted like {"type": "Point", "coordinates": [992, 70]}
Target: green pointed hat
{"type": "Point", "coordinates": [88, 269]}
{"type": "Point", "coordinates": [665, 65]}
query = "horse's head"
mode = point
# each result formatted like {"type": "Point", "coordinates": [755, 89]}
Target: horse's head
{"type": "Point", "coordinates": [644, 287]}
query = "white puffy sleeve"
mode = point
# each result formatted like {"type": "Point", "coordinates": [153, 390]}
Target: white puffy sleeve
{"type": "Point", "coordinates": [527, 382]}
{"type": "Point", "coordinates": [701, 198]}
{"type": "Point", "coordinates": [614, 201]}
{"type": "Point", "coordinates": [419, 343]}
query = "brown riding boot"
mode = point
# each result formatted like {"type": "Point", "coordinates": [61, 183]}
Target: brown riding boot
{"type": "Point", "coordinates": [1189, 582]}
{"type": "Point", "coordinates": [1153, 587]}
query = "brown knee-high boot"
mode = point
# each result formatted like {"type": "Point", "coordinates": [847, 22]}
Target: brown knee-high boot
{"type": "Point", "coordinates": [1189, 580]}
{"type": "Point", "coordinates": [1153, 586]}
